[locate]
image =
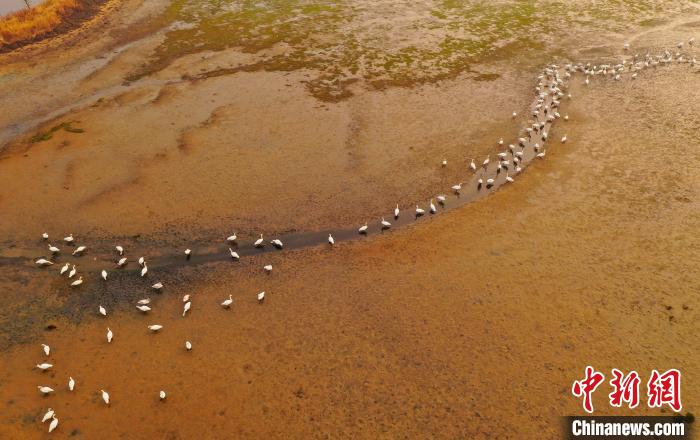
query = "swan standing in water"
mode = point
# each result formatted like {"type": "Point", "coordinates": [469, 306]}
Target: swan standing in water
{"type": "Point", "coordinates": [155, 327]}
{"type": "Point", "coordinates": [277, 243]}
{"type": "Point", "coordinates": [268, 268]}
{"type": "Point", "coordinates": [110, 335]}
{"type": "Point", "coordinates": [419, 211]}
{"type": "Point", "coordinates": [77, 282]}
{"type": "Point", "coordinates": [54, 249]}
{"type": "Point", "coordinates": [143, 308]}
{"type": "Point", "coordinates": [104, 274]}
{"type": "Point", "coordinates": [79, 250]}
{"type": "Point", "coordinates": [186, 308]}
{"type": "Point", "coordinates": [188, 253]}
{"type": "Point", "coordinates": [234, 254]}
{"type": "Point", "coordinates": [43, 262]}
{"type": "Point", "coordinates": [363, 229]}
{"type": "Point", "coordinates": [457, 188]}
{"type": "Point", "coordinates": [72, 272]}
{"type": "Point", "coordinates": [121, 262]}
{"type": "Point", "coordinates": [259, 242]}
{"type": "Point", "coordinates": [45, 236]}
{"type": "Point", "coordinates": [472, 166]}
{"type": "Point", "coordinates": [44, 366]}
{"type": "Point", "coordinates": [102, 310]}
{"type": "Point", "coordinates": [232, 238]}
{"type": "Point", "coordinates": [161, 395]}
{"type": "Point", "coordinates": [188, 345]}
{"type": "Point", "coordinates": [385, 224]}
{"type": "Point", "coordinates": [46, 349]}
{"type": "Point", "coordinates": [69, 238]}
{"type": "Point", "coordinates": [441, 199]}
{"type": "Point", "coordinates": [144, 270]}
{"type": "Point", "coordinates": [142, 261]}
{"type": "Point", "coordinates": [331, 240]}
{"type": "Point", "coordinates": [396, 211]}
{"type": "Point", "coordinates": [120, 250]}
{"type": "Point", "coordinates": [157, 286]}
{"type": "Point", "coordinates": [261, 296]}
{"type": "Point", "coordinates": [64, 269]}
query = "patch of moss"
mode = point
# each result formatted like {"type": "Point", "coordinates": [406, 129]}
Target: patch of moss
{"type": "Point", "coordinates": [328, 36]}
{"type": "Point", "coordinates": [46, 135]}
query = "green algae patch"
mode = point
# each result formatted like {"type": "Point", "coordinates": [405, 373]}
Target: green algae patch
{"type": "Point", "coordinates": [347, 41]}
{"type": "Point", "coordinates": [46, 135]}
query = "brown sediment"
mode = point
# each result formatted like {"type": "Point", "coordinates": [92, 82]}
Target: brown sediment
{"type": "Point", "coordinates": [471, 324]}
{"type": "Point", "coordinates": [437, 329]}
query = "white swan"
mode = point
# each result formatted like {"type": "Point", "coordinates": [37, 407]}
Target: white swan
{"type": "Point", "coordinates": [105, 396]}
{"type": "Point", "coordinates": [234, 254]}
{"type": "Point", "coordinates": [48, 415]}
{"type": "Point", "coordinates": [331, 240]}
{"type": "Point", "coordinates": [259, 242]}
{"type": "Point", "coordinates": [227, 303]}
{"type": "Point", "coordinates": [53, 424]}
{"type": "Point", "coordinates": [44, 389]}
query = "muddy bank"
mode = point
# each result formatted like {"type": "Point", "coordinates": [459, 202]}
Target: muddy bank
{"type": "Point", "coordinates": [471, 325]}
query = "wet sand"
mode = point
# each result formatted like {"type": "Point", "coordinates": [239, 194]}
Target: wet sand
{"type": "Point", "coordinates": [469, 324]}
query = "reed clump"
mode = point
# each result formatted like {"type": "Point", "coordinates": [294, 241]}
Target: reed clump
{"type": "Point", "coordinates": [31, 24]}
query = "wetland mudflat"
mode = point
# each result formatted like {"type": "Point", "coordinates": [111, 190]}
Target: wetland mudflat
{"type": "Point", "coordinates": [187, 122]}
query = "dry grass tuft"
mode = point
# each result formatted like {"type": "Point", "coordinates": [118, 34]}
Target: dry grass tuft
{"type": "Point", "coordinates": [28, 24]}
